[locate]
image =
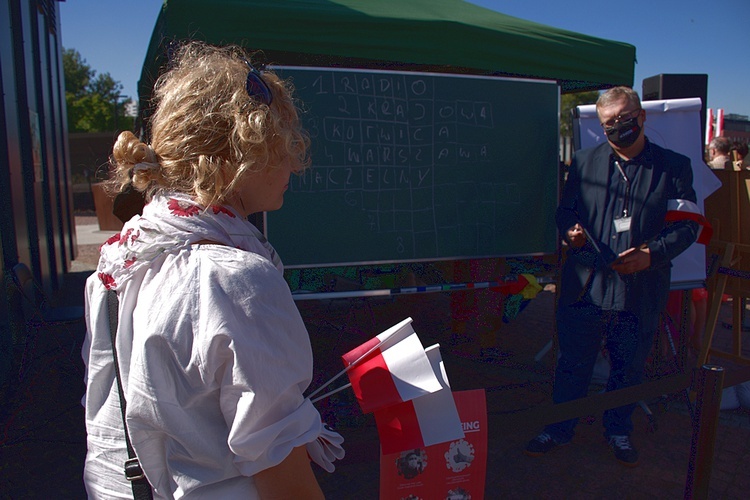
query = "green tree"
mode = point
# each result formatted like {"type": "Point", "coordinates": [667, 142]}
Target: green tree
{"type": "Point", "coordinates": [568, 102]}
{"type": "Point", "coordinates": [77, 73]}
{"type": "Point", "coordinates": [94, 101]}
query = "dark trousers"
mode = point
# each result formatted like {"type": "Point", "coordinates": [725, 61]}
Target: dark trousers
{"type": "Point", "coordinates": [580, 330]}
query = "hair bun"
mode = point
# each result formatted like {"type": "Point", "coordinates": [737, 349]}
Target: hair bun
{"type": "Point", "coordinates": [128, 149]}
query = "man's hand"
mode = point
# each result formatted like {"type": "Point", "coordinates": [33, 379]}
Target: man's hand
{"type": "Point", "coordinates": [632, 260]}
{"type": "Point", "coordinates": [576, 238]}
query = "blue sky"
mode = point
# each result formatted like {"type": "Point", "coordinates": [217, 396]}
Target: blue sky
{"type": "Point", "coordinates": [670, 36]}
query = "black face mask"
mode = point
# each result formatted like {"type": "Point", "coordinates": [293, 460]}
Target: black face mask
{"type": "Point", "coordinates": [624, 134]}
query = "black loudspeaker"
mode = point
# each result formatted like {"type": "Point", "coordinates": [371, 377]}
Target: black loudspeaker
{"type": "Point", "coordinates": [678, 86]}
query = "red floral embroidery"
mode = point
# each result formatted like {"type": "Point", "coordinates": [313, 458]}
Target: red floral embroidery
{"type": "Point", "coordinates": [107, 280]}
{"type": "Point", "coordinates": [218, 209]}
{"type": "Point", "coordinates": [182, 208]}
{"type": "Point", "coordinates": [125, 236]}
{"type": "Point", "coordinates": [111, 240]}
{"type": "Point", "coordinates": [130, 262]}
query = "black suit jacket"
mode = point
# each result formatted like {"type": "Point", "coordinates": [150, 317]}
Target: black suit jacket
{"type": "Point", "coordinates": [664, 175]}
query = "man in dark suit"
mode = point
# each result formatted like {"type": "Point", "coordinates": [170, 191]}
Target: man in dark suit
{"type": "Point", "coordinates": [616, 277]}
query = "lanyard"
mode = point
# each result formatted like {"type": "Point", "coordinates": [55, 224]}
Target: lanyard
{"type": "Point", "coordinates": [626, 201]}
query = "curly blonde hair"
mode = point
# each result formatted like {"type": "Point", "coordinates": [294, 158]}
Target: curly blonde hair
{"type": "Point", "coordinates": [207, 132]}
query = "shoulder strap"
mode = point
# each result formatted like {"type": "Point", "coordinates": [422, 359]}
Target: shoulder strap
{"type": "Point", "coordinates": [133, 470]}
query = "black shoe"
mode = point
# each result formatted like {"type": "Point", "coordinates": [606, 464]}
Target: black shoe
{"type": "Point", "coordinates": [624, 451]}
{"type": "Point", "coordinates": [541, 445]}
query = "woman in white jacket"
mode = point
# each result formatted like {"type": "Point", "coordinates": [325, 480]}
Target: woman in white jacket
{"type": "Point", "coordinates": [213, 355]}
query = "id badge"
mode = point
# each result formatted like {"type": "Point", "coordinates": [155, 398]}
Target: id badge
{"type": "Point", "coordinates": [622, 225]}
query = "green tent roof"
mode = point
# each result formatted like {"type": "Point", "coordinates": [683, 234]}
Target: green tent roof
{"type": "Point", "coordinates": [421, 35]}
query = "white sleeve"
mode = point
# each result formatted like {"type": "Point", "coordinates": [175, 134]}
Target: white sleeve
{"type": "Point", "coordinates": [219, 367]}
{"type": "Point", "coordinates": [260, 354]}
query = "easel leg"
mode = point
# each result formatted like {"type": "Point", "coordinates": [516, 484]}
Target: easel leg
{"type": "Point", "coordinates": [713, 313]}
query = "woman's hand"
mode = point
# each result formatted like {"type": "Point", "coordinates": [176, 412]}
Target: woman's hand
{"type": "Point", "coordinates": [292, 479]}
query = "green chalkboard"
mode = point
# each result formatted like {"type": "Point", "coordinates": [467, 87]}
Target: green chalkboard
{"type": "Point", "coordinates": [420, 166]}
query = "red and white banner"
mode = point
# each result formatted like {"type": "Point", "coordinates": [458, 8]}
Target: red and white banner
{"type": "Point", "coordinates": [454, 469]}
{"type": "Point", "coordinates": [719, 131]}
{"type": "Point", "coordinates": [679, 209]}
{"type": "Point", "coordinates": [390, 369]}
{"type": "Point", "coordinates": [709, 125]}
{"type": "Point", "coordinates": [423, 421]}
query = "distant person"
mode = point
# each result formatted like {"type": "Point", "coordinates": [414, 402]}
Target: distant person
{"type": "Point", "coordinates": [739, 155]}
{"type": "Point", "coordinates": [212, 351]}
{"type": "Point", "coordinates": [718, 153]}
{"type": "Point", "coordinates": [616, 277]}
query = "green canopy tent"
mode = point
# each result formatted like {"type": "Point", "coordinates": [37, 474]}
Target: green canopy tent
{"type": "Point", "coordinates": [445, 36]}
{"type": "Point", "coordinates": [431, 41]}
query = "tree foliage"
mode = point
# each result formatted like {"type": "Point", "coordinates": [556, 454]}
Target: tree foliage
{"type": "Point", "coordinates": [94, 101]}
{"type": "Point", "coordinates": [568, 102]}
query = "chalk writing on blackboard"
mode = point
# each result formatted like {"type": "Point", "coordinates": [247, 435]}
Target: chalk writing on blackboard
{"type": "Point", "coordinates": [411, 166]}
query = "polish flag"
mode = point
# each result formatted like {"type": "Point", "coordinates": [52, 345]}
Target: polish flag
{"type": "Point", "coordinates": [390, 368]}
{"type": "Point", "coordinates": [423, 421]}
{"type": "Point", "coordinates": [678, 209]}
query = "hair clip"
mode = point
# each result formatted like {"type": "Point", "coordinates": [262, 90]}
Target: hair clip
{"type": "Point", "coordinates": [256, 87]}
{"type": "Point", "coordinates": [145, 165]}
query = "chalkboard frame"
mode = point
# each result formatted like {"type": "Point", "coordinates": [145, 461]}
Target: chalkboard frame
{"type": "Point", "coordinates": [523, 132]}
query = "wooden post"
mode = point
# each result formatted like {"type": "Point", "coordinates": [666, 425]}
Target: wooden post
{"type": "Point", "coordinates": [710, 382]}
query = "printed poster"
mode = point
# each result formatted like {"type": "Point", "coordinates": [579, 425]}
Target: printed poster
{"type": "Point", "coordinates": [454, 470]}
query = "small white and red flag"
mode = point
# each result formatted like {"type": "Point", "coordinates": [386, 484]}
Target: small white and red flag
{"type": "Point", "coordinates": [423, 421]}
{"type": "Point", "coordinates": [679, 209]}
{"type": "Point", "coordinates": [390, 368]}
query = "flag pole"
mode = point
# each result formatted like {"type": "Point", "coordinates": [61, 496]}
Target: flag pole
{"type": "Point", "coordinates": [395, 328]}
{"type": "Point", "coordinates": [331, 393]}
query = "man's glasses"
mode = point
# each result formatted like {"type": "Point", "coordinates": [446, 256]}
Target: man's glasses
{"type": "Point", "coordinates": [621, 118]}
{"type": "Point", "coordinates": [256, 87]}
